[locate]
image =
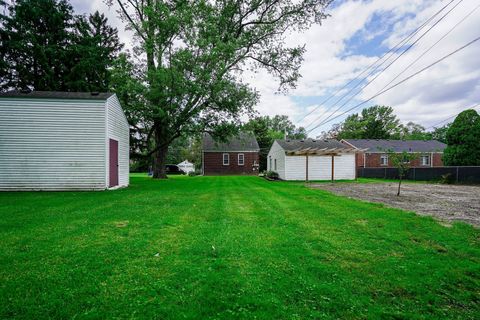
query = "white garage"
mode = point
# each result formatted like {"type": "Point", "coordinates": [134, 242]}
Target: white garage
{"type": "Point", "coordinates": [311, 159]}
{"type": "Point", "coordinates": [62, 141]}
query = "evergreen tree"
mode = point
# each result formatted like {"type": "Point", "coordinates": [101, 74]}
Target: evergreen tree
{"type": "Point", "coordinates": [44, 46]}
{"type": "Point", "coordinates": [463, 138]}
{"type": "Point", "coordinates": [95, 46]}
{"type": "Point", "coordinates": [35, 38]}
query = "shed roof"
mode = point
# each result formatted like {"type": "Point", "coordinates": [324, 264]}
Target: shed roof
{"type": "Point", "coordinates": [375, 145]}
{"type": "Point", "coordinates": [293, 145]}
{"type": "Point", "coordinates": [244, 141]}
{"type": "Point", "coordinates": [57, 95]}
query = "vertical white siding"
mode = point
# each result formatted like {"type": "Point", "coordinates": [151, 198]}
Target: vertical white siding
{"type": "Point", "coordinates": [345, 167]}
{"type": "Point", "coordinates": [277, 152]}
{"type": "Point", "coordinates": [295, 168]}
{"type": "Point", "coordinates": [118, 129]}
{"type": "Point", "coordinates": [320, 167]}
{"type": "Point", "coordinates": [52, 144]}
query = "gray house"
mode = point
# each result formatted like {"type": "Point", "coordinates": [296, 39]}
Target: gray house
{"type": "Point", "coordinates": [62, 141]}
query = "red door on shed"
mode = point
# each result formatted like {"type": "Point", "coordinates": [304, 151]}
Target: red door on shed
{"type": "Point", "coordinates": [113, 163]}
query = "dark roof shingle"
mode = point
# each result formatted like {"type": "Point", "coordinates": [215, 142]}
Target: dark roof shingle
{"type": "Point", "coordinates": [375, 145]}
{"type": "Point", "coordinates": [57, 95]}
{"type": "Point", "coordinates": [244, 141]}
{"type": "Point", "coordinates": [290, 145]}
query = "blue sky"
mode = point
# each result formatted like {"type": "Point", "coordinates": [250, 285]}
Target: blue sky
{"type": "Point", "coordinates": [356, 35]}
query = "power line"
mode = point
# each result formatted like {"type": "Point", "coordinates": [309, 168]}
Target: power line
{"type": "Point", "coordinates": [399, 44]}
{"type": "Point", "coordinates": [391, 63]}
{"type": "Point", "coordinates": [400, 82]}
{"type": "Point", "coordinates": [435, 125]}
{"type": "Point", "coordinates": [431, 47]}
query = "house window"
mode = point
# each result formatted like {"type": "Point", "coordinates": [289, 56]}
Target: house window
{"type": "Point", "coordinates": [275, 164]}
{"type": "Point", "coordinates": [384, 160]}
{"type": "Point", "coordinates": [270, 163]}
{"type": "Point", "coordinates": [241, 159]}
{"type": "Point", "coordinates": [226, 159]}
{"type": "Point", "coordinates": [425, 160]}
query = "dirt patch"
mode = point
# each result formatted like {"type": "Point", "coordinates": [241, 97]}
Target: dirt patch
{"type": "Point", "coordinates": [445, 202]}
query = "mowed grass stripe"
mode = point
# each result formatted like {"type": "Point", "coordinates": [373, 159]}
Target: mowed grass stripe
{"type": "Point", "coordinates": [229, 248]}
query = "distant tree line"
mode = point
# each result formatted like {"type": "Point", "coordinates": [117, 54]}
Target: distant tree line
{"type": "Point", "coordinates": [379, 122]}
{"type": "Point", "coordinates": [267, 129]}
{"type": "Point", "coordinates": [44, 45]}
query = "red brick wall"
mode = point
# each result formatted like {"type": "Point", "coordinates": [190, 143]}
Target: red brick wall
{"type": "Point", "coordinates": [373, 160]}
{"type": "Point", "coordinates": [213, 164]}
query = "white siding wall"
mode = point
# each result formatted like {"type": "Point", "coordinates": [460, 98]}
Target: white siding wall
{"type": "Point", "coordinates": [52, 144]}
{"type": "Point", "coordinates": [320, 167]}
{"type": "Point", "coordinates": [118, 129]}
{"type": "Point", "coordinates": [345, 167]}
{"type": "Point", "coordinates": [277, 152]}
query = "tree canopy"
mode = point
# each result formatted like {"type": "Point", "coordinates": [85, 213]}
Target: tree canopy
{"type": "Point", "coordinates": [463, 137]}
{"type": "Point", "coordinates": [378, 122]}
{"type": "Point", "coordinates": [193, 55]}
{"type": "Point", "coordinates": [45, 46]}
{"type": "Point", "coordinates": [267, 129]}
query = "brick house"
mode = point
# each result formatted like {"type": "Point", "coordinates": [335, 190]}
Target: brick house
{"type": "Point", "coordinates": [238, 156]}
{"type": "Point", "coordinates": [375, 152]}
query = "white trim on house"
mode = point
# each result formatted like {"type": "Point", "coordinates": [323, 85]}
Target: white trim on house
{"type": "Point", "coordinates": [384, 156]}
{"type": "Point", "coordinates": [228, 159]}
{"type": "Point", "coordinates": [243, 159]}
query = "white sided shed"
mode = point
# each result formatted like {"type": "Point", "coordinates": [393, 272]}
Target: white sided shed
{"type": "Point", "coordinates": [62, 141]}
{"type": "Point", "coordinates": [186, 166]}
{"type": "Point", "coordinates": [311, 159]}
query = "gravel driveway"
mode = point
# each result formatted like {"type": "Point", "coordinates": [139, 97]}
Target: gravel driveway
{"type": "Point", "coordinates": [445, 202]}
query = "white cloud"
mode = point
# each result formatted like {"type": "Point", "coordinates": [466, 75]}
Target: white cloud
{"type": "Point", "coordinates": [330, 60]}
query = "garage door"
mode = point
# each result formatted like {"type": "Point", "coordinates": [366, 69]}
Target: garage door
{"type": "Point", "coordinates": [345, 167]}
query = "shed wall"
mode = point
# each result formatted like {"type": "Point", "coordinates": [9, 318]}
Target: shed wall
{"type": "Point", "coordinates": [118, 129]}
{"type": "Point", "coordinates": [276, 152]}
{"type": "Point", "coordinates": [52, 144]}
{"type": "Point", "coordinates": [320, 167]}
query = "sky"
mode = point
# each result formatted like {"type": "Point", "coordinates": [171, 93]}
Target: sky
{"type": "Point", "coordinates": [357, 34]}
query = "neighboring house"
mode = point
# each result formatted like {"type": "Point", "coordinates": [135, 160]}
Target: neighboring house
{"type": "Point", "coordinates": [312, 159]}
{"type": "Point", "coordinates": [237, 156]}
{"type": "Point", "coordinates": [62, 141]}
{"type": "Point", "coordinates": [186, 166]}
{"type": "Point", "coordinates": [373, 152]}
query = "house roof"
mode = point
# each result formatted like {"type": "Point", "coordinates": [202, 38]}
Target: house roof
{"type": "Point", "coordinates": [244, 141]}
{"type": "Point", "coordinates": [292, 145]}
{"type": "Point", "coordinates": [376, 145]}
{"type": "Point", "coordinates": [57, 95]}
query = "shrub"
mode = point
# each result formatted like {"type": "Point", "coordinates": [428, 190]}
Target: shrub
{"type": "Point", "coordinates": [447, 178]}
{"type": "Point", "coordinates": [272, 175]}
{"type": "Point", "coordinates": [192, 174]}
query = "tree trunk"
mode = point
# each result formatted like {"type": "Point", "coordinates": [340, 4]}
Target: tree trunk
{"type": "Point", "coordinates": [399, 184]}
{"type": "Point", "coordinates": [160, 156]}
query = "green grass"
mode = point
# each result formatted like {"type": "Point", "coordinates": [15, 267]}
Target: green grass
{"type": "Point", "coordinates": [229, 248]}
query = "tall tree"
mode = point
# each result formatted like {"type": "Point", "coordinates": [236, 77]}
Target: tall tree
{"type": "Point", "coordinates": [195, 52]}
{"type": "Point", "coordinates": [440, 133]}
{"type": "Point", "coordinates": [35, 37]}
{"type": "Point", "coordinates": [44, 46]}
{"type": "Point", "coordinates": [95, 47]}
{"type": "Point", "coordinates": [126, 82]}
{"type": "Point", "coordinates": [463, 137]}
{"type": "Point", "coordinates": [376, 122]}
{"type": "Point", "coordinates": [267, 129]}
{"type": "Point", "coordinates": [414, 131]}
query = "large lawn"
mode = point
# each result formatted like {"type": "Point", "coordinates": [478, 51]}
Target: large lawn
{"type": "Point", "coordinates": [228, 248]}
